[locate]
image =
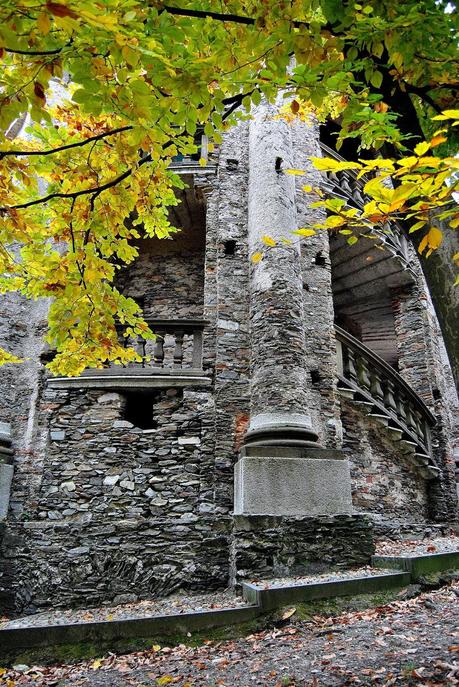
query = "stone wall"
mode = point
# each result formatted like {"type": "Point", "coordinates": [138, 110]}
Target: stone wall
{"type": "Point", "coordinates": [167, 278]}
{"type": "Point", "coordinates": [227, 307]}
{"type": "Point", "coordinates": [421, 364]}
{"type": "Point", "coordinates": [382, 479]}
{"type": "Point", "coordinates": [120, 510]}
{"type": "Point", "coordinates": [266, 546]}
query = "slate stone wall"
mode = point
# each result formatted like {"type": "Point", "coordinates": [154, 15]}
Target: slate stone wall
{"type": "Point", "coordinates": [383, 481]}
{"type": "Point", "coordinates": [227, 307]}
{"type": "Point", "coordinates": [267, 546]}
{"type": "Point", "coordinates": [421, 364]}
{"type": "Point", "coordinates": [168, 278]}
{"type": "Point", "coordinates": [121, 511]}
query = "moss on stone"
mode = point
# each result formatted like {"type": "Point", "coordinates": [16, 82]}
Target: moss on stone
{"type": "Point", "coordinates": [338, 605]}
{"type": "Point", "coordinates": [80, 651]}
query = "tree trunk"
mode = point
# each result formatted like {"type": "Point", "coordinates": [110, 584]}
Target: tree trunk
{"type": "Point", "coordinates": [440, 273]}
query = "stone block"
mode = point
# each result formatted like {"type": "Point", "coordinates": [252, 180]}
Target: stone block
{"type": "Point", "coordinates": [291, 486]}
{"type": "Point", "coordinates": [6, 477]}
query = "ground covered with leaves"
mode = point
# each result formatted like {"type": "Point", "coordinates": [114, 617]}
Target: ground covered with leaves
{"type": "Point", "coordinates": [408, 641]}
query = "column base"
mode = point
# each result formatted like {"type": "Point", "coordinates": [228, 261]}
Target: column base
{"type": "Point", "coordinates": [312, 482]}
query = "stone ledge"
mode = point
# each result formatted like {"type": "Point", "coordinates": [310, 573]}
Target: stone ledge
{"type": "Point", "coordinates": [132, 380]}
{"type": "Point", "coordinates": [274, 597]}
{"type": "Point", "coordinates": [419, 565]}
{"type": "Point", "coordinates": [53, 635]}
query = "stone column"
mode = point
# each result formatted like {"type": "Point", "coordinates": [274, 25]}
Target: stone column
{"type": "Point", "coordinates": [6, 468]}
{"type": "Point", "coordinates": [282, 469]}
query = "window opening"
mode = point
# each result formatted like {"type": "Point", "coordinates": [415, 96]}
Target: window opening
{"type": "Point", "coordinates": [139, 410]}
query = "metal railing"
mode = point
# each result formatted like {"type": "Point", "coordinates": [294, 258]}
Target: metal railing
{"type": "Point", "coordinates": [368, 380]}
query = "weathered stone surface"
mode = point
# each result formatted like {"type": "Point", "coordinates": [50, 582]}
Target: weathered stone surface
{"type": "Point", "coordinates": [291, 486]}
{"type": "Point", "coordinates": [270, 546]}
{"type": "Point", "coordinates": [101, 508]}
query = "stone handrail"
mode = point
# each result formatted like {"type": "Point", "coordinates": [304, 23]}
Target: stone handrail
{"type": "Point", "coordinates": [344, 184]}
{"type": "Point", "coordinates": [371, 381]}
{"type": "Point", "coordinates": [178, 344]}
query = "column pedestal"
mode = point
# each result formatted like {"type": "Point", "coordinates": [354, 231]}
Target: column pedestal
{"type": "Point", "coordinates": [313, 482]}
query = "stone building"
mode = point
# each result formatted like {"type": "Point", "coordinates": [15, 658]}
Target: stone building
{"type": "Point", "coordinates": [289, 412]}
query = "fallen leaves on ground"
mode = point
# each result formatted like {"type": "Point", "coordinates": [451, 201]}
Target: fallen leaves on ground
{"type": "Point", "coordinates": [402, 643]}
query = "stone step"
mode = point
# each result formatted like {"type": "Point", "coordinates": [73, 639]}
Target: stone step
{"type": "Point", "coordinates": [344, 391]}
{"type": "Point", "coordinates": [407, 446]}
{"type": "Point", "coordinates": [419, 564]}
{"type": "Point", "coordinates": [272, 594]}
{"type": "Point", "coordinates": [382, 419]}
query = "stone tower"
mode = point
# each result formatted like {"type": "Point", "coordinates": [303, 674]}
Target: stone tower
{"type": "Point", "coordinates": [289, 412]}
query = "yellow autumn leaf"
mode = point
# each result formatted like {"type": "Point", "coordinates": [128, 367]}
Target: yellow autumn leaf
{"type": "Point", "coordinates": [432, 240]}
{"type": "Point", "coordinates": [435, 237]}
{"type": "Point", "coordinates": [268, 241]}
{"type": "Point", "coordinates": [256, 257]}
{"type": "Point", "coordinates": [327, 164]}
{"type": "Point", "coordinates": [334, 221]}
{"type": "Point", "coordinates": [44, 23]}
{"type": "Point", "coordinates": [295, 172]}
{"type": "Point", "coordinates": [417, 225]}
{"type": "Point", "coordinates": [96, 664]}
{"type": "Point", "coordinates": [304, 232]}
{"type": "Point", "coordinates": [2, 671]}
{"type": "Point", "coordinates": [447, 114]}
{"type": "Point", "coordinates": [421, 148]}
{"type": "Point", "coordinates": [156, 647]}
{"type": "Point", "coordinates": [202, 161]}
{"type": "Point", "coordinates": [164, 680]}
{"type": "Point", "coordinates": [436, 140]}
{"type": "Point", "coordinates": [456, 257]}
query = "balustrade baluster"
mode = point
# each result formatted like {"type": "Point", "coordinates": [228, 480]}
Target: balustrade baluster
{"type": "Point", "coordinates": [178, 350]}
{"type": "Point", "coordinates": [197, 349]}
{"type": "Point", "coordinates": [389, 397]}
{"type": "Point", "coordinates": [344, 184]}
{"type": "Point", "coordinates": [350, 369]}
{"type": "Point", "coordinates": [158, 352]}
{"type": "Point", "coordinates": [375, 385]}
{"type": "Point", "coordinates": [401, 408]}
{"type": "Point", "coordinates": [418, 425]}
{"type": "Point", "coordinates": [363, 373]}
{"type": "Point", "coordinates": [409, 417]}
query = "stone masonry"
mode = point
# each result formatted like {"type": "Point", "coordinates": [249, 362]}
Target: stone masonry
{"type": "Point", "coordinates": [260, 465]}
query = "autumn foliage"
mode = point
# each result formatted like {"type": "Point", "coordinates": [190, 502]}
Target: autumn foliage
{"type": "Point", "coordinates": [106, 93]}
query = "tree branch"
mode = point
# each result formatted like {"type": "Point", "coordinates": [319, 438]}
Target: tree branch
{"type": "Point", "coordinates": [94, 190]}
{"type": "Point", "coordinates": [219, 16]}
{"type": "Point", "coordinates": [34, 53]}
{"type": "Point", "coordinates": [76, 194]}
{"type": "Point", "coordinates": [51, 151]}
{"type": "Point", "coordinates": [422, 93]}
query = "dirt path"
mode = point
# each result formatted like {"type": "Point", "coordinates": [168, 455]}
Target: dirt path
{"type": "Point", "coordinates": [413, 642]}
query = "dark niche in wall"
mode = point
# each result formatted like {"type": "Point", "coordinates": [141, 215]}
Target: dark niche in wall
{"type": "Point", "coordinates": [229, 247]}
{"type": "Point", "coordinates": [138, 409]}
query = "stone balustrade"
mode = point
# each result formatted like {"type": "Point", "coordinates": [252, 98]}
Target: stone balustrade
{"type": "Point", "coordinates": [344, 184]}
{"type": "Point", "coordinates": [178, 344]}
{"type": "Point", "coordinates": [172, 359]}
{"type": "Point", "coordinates": [372, 383]}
